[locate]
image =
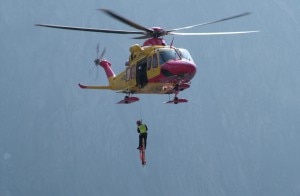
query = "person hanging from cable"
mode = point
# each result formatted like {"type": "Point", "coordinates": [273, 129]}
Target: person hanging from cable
{"type": "Point", "coordinates": [142, 130]}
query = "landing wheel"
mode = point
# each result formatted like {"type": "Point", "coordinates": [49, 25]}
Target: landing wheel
{"type": "Point", "coordinates": [126, 98]}
{"type": "Point", "coordinates": [175, 100]}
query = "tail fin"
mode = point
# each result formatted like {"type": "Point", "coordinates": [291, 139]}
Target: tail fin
{"type": "Point", "coordinates": [107, 68]}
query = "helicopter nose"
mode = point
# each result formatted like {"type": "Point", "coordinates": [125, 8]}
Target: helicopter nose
{"type": "Point", "coordinates": [178, 68]}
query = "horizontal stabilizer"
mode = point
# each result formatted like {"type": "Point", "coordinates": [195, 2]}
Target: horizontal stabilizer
{"type": "Point", "coordinates": [94, 87]}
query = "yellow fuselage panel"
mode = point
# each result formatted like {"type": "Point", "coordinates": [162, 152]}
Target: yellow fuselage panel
{"type": "Point", "coordinates": [127, 79]}
{"type": "Point", "coordinates": [124, 81]}
{"type": "Point", "coordinates": [155, 88]}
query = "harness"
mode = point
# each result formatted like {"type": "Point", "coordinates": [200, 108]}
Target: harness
{"type": "Point", "coordinates": [142, 128]}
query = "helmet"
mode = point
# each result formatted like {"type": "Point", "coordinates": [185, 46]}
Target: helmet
{"type": "Point", "coordinates": [138, 122]}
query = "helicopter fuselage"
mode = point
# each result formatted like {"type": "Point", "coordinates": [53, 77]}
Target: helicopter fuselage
{"type": "Point", "coordinates": [152, 70]}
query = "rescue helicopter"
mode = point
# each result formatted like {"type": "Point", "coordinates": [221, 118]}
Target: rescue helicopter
{"type": "Point", "coordinates": [153, 67]}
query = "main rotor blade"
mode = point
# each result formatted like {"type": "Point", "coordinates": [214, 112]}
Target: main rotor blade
{"type": "Point", "coordinates": [214, 33]}
{"type": "Point", "coordinates": [90, 29]}
{"type": "Point", "coordinates": [211, 22]}
{"type": "Point", "coordinates": [125, 20]}
{"type": "Point", "coordinates": [143, 36]}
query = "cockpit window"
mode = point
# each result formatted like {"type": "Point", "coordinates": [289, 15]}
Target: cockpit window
{"type": "Point", "coordinates": [185, 55]}
{"type": "Point", "coordinates": [174, 54]}
{"type": "Point", "coordinates": [166, 55]}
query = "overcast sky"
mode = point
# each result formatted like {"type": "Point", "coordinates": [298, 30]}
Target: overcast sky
{"type": "Point", "coordinates": [237, 135]}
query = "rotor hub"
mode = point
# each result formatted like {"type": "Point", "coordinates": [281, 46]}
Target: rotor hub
{"type": "Point", "coordinates": [157, 32]}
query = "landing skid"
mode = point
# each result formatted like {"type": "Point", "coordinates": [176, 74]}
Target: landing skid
{"type": "Point", "coordinates": [176, 100]}
{"type": "Point", "coordinates": [128, 100]}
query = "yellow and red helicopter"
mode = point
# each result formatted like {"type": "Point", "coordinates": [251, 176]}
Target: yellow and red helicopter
{"type": "Point", "coordinates": [154, 67]}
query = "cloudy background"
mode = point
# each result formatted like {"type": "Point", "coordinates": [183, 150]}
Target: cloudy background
{"type": "Point", "coordinates": [237, 135]}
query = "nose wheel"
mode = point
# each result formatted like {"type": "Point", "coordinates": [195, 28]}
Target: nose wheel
{"type": "Point", "coordinates": [177, 88]}
{"type": "Point", "coordinates": [177, 100]}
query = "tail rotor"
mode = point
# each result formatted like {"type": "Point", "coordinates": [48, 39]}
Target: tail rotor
{"type": "Point", "coordinates": [99, 58]}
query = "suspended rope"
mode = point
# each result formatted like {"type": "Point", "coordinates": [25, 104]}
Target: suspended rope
{"type": "Point", "coordinates": [141, 111]}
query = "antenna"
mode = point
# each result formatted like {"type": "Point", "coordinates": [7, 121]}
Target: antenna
{"type": "Point", "coordinates": [141, 113]}
{"type": "Point", "coordinates": [171, 45]}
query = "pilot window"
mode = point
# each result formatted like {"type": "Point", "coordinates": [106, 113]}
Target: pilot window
{"type": "Point", "coordinates": [166, 55]}
{"type": "Point", "coordinates": [185, 55]}
{"type": "Point", "coordinates": [174, 54]}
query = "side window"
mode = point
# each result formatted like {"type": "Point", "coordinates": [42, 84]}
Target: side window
{"type": "Point", "coordinates": [154, 61]}
{"type": "Point", "coordinates": [132, 70]}
{"type": "Point", "coordinates": [149, 62]}
{"type": "Point", "coordinates": [127, 73]}
{"type": "Point", "coordinates": [130, 73]}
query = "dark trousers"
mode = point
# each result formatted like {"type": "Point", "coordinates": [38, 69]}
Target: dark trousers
{"type": "Point", "coordinates": [141, 136]}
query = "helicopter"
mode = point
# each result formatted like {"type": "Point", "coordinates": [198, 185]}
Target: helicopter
{"type": "Point", "coordinates": [153, 67]}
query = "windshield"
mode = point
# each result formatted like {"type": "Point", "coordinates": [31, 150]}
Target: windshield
{"type": "Point", "coordinates": [185, 55]}
{"type": "Point", "coordinates": [174, 54]}
{"type": "Point", "coordinates": [166, 55]}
